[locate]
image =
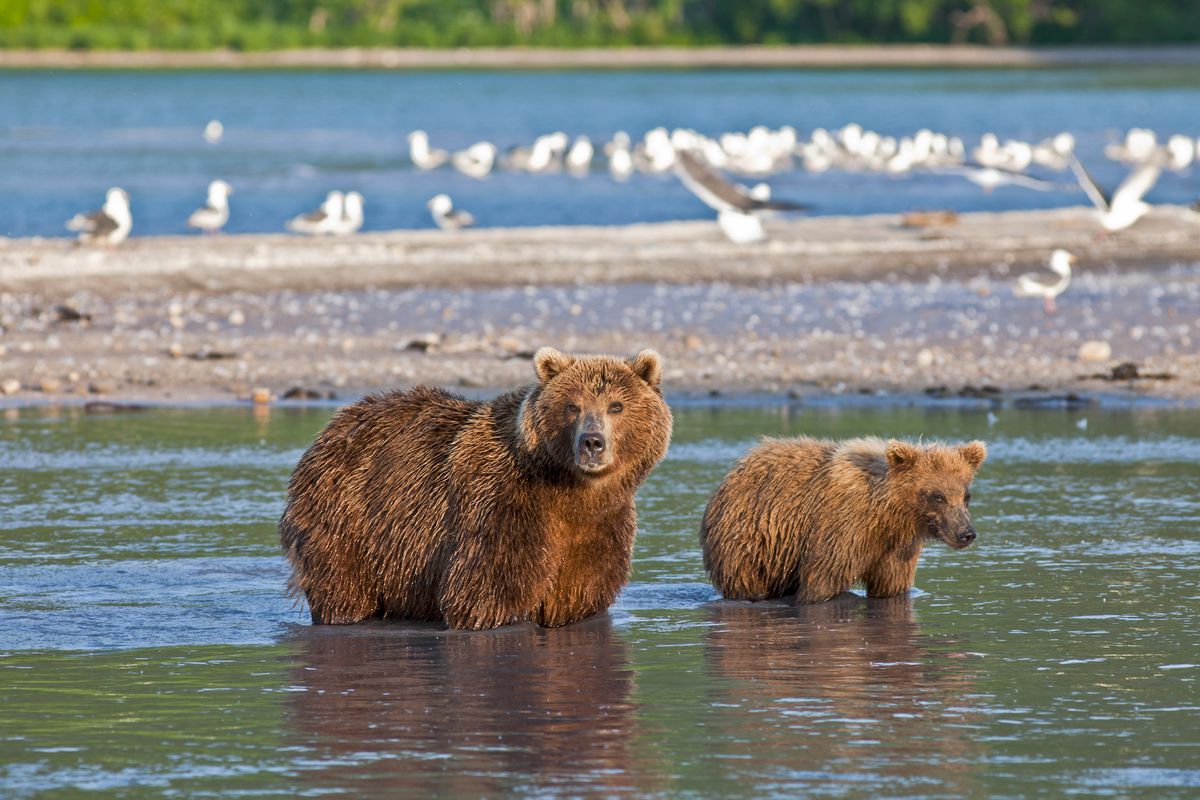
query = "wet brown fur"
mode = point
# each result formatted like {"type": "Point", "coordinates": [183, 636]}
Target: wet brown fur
{"type": "Point", "coordinates": [422, 505]}
{"type": "Point", "coordinates": [813, 517]}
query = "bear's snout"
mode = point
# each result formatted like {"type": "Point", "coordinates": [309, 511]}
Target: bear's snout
{"type": "Point", "coordinates": [965, 537]}
{"type": "Point", "coordinates": [591, 444]}
{"type": "Point", "coordinates": [592, 452]}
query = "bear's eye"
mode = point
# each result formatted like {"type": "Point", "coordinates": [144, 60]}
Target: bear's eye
{"type": "Point", "coordinates": [616, 408]}
{"type": "Point", "coordinates": [937, 497]}
{"type": "Point", "coordinates": [573, 409]}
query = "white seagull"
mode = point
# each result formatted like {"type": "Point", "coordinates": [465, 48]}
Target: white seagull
{"type": "Point", "coordinates": [620, 158]}
{"type": "Point", "coordinates": [447, 217]}
{"type": "Point", "coordinates": [110, 224]}
{"type": "Point", "coordinates": [476, 161]}
{"type": "Point", "coordinates": [1040, 284]}
{"type": "Point", "coordinates": [579, 157]}
{"type": "Point", "coordinates": [214, 131]}
{"type": "Point", "coordinates": [326, 219]}
{"type": "Point", "coordinates": [422, 155]}
{"type": "Point", "coordinates": [213, 215]}
{"type": "Point", "coordinates": [1125, 206]}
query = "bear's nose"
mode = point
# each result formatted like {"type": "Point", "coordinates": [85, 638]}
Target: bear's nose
{"type": "Point", "coordinates": [591, 444]}
{"type": "Point", "coordinates": [966, 537]}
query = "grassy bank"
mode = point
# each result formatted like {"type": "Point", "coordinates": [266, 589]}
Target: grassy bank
{"type": "Point", "coordinates": [263, 25]}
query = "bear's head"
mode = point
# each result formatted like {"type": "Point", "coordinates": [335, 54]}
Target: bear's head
{"type": "Point", "coordinates": [935, 482]}
{"type": "Point", "coordinates": [597, 415]}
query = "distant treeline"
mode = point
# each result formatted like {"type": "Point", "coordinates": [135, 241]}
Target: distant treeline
{"type": "Point", "coordinates": [278, 24]}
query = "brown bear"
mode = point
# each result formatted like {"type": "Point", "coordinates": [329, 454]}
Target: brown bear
{"type": "Point", "coordinates": [422, 505]}
{"type": "Point", "coordinates": [810, 517]}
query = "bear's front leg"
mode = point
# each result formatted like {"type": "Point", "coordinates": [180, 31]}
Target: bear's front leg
{"type": "Point", "coordinates": [894, 573]}
{"type": "Point", "coordinates": [494, 578]}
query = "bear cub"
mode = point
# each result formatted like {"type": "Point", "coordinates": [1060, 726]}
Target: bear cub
{"type": "Point", "coordinates": [422, 505]}
{"type": "Point", "coordinates": [811, 518]}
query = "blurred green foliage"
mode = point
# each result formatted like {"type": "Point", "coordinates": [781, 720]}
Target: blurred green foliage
{"type": "Point", "coordinates": [276, 24]}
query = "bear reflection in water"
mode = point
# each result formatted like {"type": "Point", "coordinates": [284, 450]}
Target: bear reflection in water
{"type": "Point", "coordinates": [417, 710]}
{"type": "Point", "coordinates": [847, 687]}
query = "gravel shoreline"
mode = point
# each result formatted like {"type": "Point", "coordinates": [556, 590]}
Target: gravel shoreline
{"type": "Point", "coordinates": [763, 57]}
{"type": "Point", "coordinates": [830, 308]}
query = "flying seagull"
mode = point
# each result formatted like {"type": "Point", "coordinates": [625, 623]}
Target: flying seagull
{"type": "Point", "coordinates": [1045, 285]}
{"type": "Point", "coordinates": [1125, 205]}
{"type": "Point", "coordinates": [110, 224]}
{"type": "Point", "coordinates": [989, 177]}
{"type": "Point", "coordinates": [447, 217]}
{"type": "Point", "coordinates": [326, 219]}
{"type": "Point", "coordinates": [213, 215]}
{"type": "Point", "coordinates": [721, 195]}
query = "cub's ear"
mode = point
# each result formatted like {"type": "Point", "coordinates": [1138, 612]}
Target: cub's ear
{"type": "Point", "coordinates": [973, 453]}
{"type": "Point", "coordinates": [548, 362]}
{"type": "Point", "coordinates": [901, 454]}
{"type": "Point", "coordinates": [647, 365]}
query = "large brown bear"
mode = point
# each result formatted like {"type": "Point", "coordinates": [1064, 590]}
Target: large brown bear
{"type": "Point", "coordinates": [812, 517]}
{"type": "Point", "coordinates": [422, 505]}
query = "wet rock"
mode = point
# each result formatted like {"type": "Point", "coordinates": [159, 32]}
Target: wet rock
{"type": "Point", "coordinates": [300, 393]}
{"type": "Point", "coordinates": [260, 396]}
{"type": "Point", "coordinates": [1125, 371]}
{"type": "Point", "coordinates": [207, 354]}
{"type": "Point", "coordinates": [68, 313]}
{"type": "Point", "coordinates": [101, 387]}
{"type": "Point", "coordinates": [423, 343]}
{"type": "Point", "coordinates": [50, 386]}
{"type": "Point", "coordinates": [10, 386]}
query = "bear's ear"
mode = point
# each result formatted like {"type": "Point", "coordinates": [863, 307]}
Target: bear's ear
{"type": "Point", "coordinates": [973, 453]}
{"type": "Point", "coordinates": [901, 454]}
{"type": "Point", "coordinates": [647, 365]}
{"type": "Point", "coordinates": [548, 362]}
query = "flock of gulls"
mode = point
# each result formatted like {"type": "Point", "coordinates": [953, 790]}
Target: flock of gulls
{"type": "Point", "coordinates": [702, 163]}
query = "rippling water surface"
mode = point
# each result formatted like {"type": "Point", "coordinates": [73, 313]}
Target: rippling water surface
{"type": "Point", "coordinates": [146, 645]}
{"type": "Point", "coordinates": [291, 136]}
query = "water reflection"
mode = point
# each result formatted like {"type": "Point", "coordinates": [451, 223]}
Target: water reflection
{"type": "Point", "coordinates": [421, 711]}
{"type": "Point", "coordinates": [851, 687]}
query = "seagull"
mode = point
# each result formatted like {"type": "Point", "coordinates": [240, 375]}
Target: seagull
{"type": "Point", "coordinates": [211, 217]}
{"type": "Point", "coordinates": [447, 217]}
{"type": "Point", "coordinates": [213, 131]}
{"type": "Point", "coordinates": [352, 214]}
{"type": "Point", "coordinates": [109, 225]}
{"type": "Point", "coordinates": [476, 161]}
{"type": "Point", "coordinates": [1033, 284]}
{"type": "Point", "coordinates": [579, 157]}
{"type": "Point", "coordinates": [1125, 206]}
{"type": "Point", "coordinates": [721, 195]}
{"type": "Point", "coordinates": [620, 159]}
{"type": "Point", "coordinates": [326, 219]}
{"type": "Point", "coordinates": [422, 155]}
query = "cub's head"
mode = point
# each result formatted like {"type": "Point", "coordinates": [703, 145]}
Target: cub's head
{"type": "Point", "coordinates": [935, 480]}
{"type": "Point", "coordinates": [598, 415]}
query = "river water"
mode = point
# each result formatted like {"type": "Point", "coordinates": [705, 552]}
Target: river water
{"type": "Point", "coordinates": [291, 136]}
{"type": "Point", "coordinates": [147, 647]}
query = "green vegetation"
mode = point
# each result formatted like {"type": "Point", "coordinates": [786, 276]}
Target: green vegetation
{"type": "Point", "coordinates": [277, 24]}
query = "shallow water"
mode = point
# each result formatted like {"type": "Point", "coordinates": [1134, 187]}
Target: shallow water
{"type": "Point", "coordinates": [146, 645]}
{"type": "Point", "coordinates": [291, 136]}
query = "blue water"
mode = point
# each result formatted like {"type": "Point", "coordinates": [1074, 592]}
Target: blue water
{"type": "Point", "coordinates": [292, 136]}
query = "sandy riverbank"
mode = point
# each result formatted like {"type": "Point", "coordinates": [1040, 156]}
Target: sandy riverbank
{"type": "Point", "coordinates": [830, 306]}
{"type": "Point", "coordinates": [774, 57]}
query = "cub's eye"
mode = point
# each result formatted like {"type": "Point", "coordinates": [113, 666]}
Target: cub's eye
{"type": "Point", "coordinates": [937, 497]}
{"type": "Point", "coordinates": [573, 409]}
{"type": "Point", "coordinates": [616, 408]}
